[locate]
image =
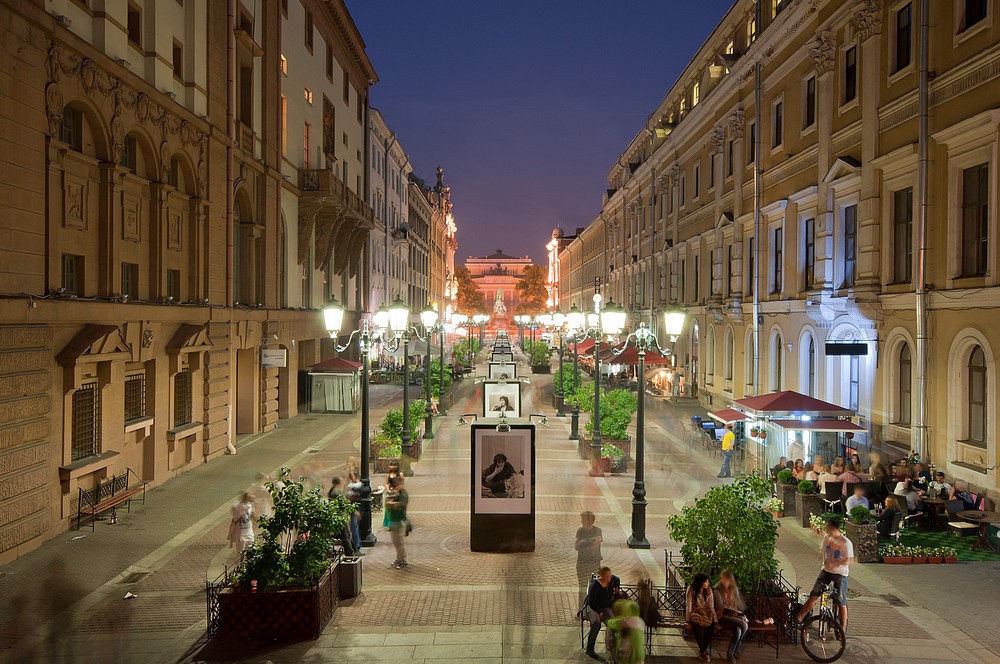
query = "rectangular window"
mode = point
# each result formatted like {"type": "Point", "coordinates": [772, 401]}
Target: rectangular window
{"type": "Point", "coordinates": [974, 12]}
{"type": "Point", "coordinates": [307, 94]}
{"type": "Point", "coordinates": [347, 90]}
{"type": "Point", "coordinates": [306, 146]}
{"type": "Point", "coordinates": [851, 74]}
{"type": "Point", "coordinates": [134, 25]}
{"type": "Point", "coordinates": [361, 109]}
{"type": "Point", "coordinates": [854, 383]}
{"type": "Point", "coordinates": [309, 31]}
{"type": "Point", "coordinates": [135, 397]}
{"type": "Point", "coordinates": [182, 398]}
{"type": "Point", "coordinates": [130, 280]}
{"type": "Point", "coordinates": [329, 62]}
{"type": "Point", "coordinates": [850, 244]}
{"type": "Point", "coordinates": [86, 421]}
{"type": "Point", "coordinates": [683, 188]}
{"type": "Point", "coordinates": [695, 95]}
{"type": "Point", "coordinates": [751, 142]}
{"type": "Point", "coordinates": [778, 6]}
{"type": "Point", "coordinates": [711, 171]}
{"type": "Point", "coordinates": [902, 235]}
{"type": "Point", "coordinates": [904, 36]}
{"type": "Point", "coordinates": [751, 30]}
{"type": "Point", "coordinates": [729, 158]}
{"type": "Point", "coordinates": [284, 126]}
{"type": "Point", "coordinates": [711, 273]}
{"type": "Point", "coordinates": [697, 278]}
{"type": "Point", "coordinates": [809, 252]}
{"type": "Point", "coordinates": [174, 285]}
{"type": "Point", "coordinates": [178, 59]}
{"type": "Point", "coordinates": [72, 274]}
{"type": "Point", "coordinates": [809, 103]}
{"type": "Point", "coordinates": [697, 180]}
{"type": "Point", "coordinates": [975, 220]}
{"type": "Point", "coordinates": [777, 124]}
{"type": "Point", "coordinates": [778, 253]}
{"type": "Point", "coordinates": [683, 281]}
{"type": "Point", "coordinates": [750, 266]}
{"type": "Point", "coordinates": [728, 285]}
{"type": "Point", "coordinates": [71, 130]}
{"type": "Point", "coordinates": [129, 153]}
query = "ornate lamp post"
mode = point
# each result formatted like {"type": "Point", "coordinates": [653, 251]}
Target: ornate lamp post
{"type": "Point", "coordinates": [333, 316]}
{"type": "Point", "coordinates": [442, 328]}
{"type": "Point", "coordinates": [575, 320]}
{"type": "Point", "coordinates": [429, 319]}
{"type": "Point", "coordinates": [558, 320]}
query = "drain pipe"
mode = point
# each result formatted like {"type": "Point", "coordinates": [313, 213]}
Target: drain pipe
{"type": "Point", "coordinates": [758, 191]}
{"type": "Point", "coordinates": [231, 133]}
{"type": "Point", "coordinates": [920, 430]}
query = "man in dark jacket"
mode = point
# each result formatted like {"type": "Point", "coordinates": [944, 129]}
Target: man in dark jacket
{"type": "Point", "coordinates": [597, 606]}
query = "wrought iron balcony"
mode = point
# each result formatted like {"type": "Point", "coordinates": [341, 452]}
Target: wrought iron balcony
{"type": "Point", "coordinates": [325, 184]}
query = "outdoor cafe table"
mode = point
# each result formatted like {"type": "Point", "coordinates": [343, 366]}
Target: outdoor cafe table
{"type": "Point", "coordinates": [934, 507]}
{"type": "Point", "coordinates": [983, 520]}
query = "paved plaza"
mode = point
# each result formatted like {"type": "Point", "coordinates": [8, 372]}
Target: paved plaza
{"type": "Point", "coordinates": [449, 604]}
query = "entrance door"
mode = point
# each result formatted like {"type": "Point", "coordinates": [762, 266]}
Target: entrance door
{"type": "Point", "coordinates": [247, 391]}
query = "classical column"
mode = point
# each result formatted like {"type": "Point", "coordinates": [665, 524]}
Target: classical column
{"type": "Point", "coordinates": [824, 52]}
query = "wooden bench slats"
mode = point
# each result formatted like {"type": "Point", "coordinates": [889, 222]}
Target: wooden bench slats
{"type": "Point", "coordinates": [107, 495]}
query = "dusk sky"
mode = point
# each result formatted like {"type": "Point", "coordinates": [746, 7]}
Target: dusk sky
{"type": "Point", "coordinates": [526, 105]}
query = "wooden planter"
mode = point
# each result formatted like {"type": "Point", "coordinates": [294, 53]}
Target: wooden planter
{"type": "Point", "coordinates": [285, 615]}
{"type": "Point", "coordinates": [805, 505]}
{"type": "Point", "coordinates": [896, 560]}
{"type": "Point", "coordinates": [864, 537]}
{"type": "Point", "coordinates": [787, 494]}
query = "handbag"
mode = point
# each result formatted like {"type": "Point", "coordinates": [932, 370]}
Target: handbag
{"type": "Point", "coordinates": [409, 528]}
{"type": "Point", "coordinates": [700, 616]}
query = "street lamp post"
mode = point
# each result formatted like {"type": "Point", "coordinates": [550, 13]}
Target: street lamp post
{"type": "Point", "coordinates": [576, 322]}
{"type": "Point", "coordinates": [558, 320]}
{"type": "Point", "coordinates": [608, 320]}
{"type": "Point", "coordinates": [429, 319]}
{"type": "Point", "coordinates": [333, 316]}
{"type": "Point", "coordinates": [441, 335]}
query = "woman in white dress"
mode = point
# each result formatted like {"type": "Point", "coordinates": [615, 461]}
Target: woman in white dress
{"type": "Point", "coordinates": [241, 529]}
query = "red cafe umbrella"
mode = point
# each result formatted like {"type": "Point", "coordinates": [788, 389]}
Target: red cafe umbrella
{"type": "Point", "coordinates": [630, 357]}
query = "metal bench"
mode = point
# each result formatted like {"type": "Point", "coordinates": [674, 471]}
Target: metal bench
{"type": "Point", "coordinates": [108, 495]}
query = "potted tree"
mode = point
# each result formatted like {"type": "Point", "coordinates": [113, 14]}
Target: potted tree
{"type": "Point", "coordinates": [786, 490]}
{"type": "Point", "coordinates": [538, 356]}
{"type": "Point", "coordinates": [861, 530]}
{"type": "Point", "coordinates": [775, 507]}
{"type": "Point", "coordinates": [387, 443]}
{"type": "Point", "coordinates": [617, 408]}
{"type": "Point", "coordinates": [807, 501]}
{"type": "Point", "coordinates": [286, 585]}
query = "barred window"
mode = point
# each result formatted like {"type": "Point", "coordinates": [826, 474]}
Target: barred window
{"type": "Point", "coordinates": [182, 398]}
{"type": "Point", "coordinates": [86, 421]}
{"type": "Point", "coordinates": [135, 397]}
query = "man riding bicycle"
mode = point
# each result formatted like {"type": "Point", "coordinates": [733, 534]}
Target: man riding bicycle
{"type": "Point", "coordinates": [838, 554]}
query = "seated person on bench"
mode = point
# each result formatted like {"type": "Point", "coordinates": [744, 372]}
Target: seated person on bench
{"type": "Point", "coordinates": [597, 606]}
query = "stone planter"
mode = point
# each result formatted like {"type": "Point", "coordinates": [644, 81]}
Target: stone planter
{"type": "Point", "coordinates": [615, 465]}
{"type": "Point", "coordinates": [787, 494]}
{"type": "Point", "coordinates": [541, 368]}
{"type": "Point", "coordinates": [807, 504]}
{"type": "Point", "coordinates": [864, 537]}
{"type": "Point", "coordinates": [294, 614]}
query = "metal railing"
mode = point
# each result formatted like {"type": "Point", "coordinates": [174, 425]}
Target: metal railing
{"type": "Point", "coordinates": [326, 182]}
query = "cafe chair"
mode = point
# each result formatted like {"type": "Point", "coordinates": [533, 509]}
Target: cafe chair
{"type": "Point", "coordinates": [834, 494]}
{"type": "Point", "coordinates": [956, 525]}
{"type": "Point", "coordinates": [897, 519]}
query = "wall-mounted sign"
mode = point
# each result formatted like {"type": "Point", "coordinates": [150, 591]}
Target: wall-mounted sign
{"type": "Point", "coordinates": [274, 357]}
{"type": "Point", "coordinates": [833, 349]}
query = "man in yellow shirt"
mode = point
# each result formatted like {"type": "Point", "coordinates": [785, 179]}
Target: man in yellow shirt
{"type": "Point", "coordinates": [728, 443]}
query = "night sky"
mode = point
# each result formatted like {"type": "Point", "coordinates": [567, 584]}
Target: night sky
{"type": "Point", "coordinates": [526, 104]}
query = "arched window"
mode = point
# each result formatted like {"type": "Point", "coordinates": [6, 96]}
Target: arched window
{"type": "Point", "coordinates": [905, 385]}
{"type": "Point", "coordinates": [728, 351]}
{"type": "Point", "coordinates": [977, 396]}
{"type": "Point", "coordinates": [811, 367]}
{"type": "Point", "coordinates": [777, 362]}
{"type": "Point", "coordinates": [748, 353]}
{"type": "Point", "coordinates": [710, 352]}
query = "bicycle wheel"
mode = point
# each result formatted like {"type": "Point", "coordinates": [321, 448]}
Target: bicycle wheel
{"type": "Point", "coordinates": [823, 638]}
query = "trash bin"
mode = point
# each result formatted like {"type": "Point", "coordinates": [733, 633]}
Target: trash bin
{"type": "Point", "coordinates": [350, 577]}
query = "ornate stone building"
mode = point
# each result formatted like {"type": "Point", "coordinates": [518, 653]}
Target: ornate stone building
{"type": "Point", "coordinates": [185, 187]}
{"type": "Point", "coordinates": [498, 273]}
{"type": "Point", "coordinates": [868, 244]}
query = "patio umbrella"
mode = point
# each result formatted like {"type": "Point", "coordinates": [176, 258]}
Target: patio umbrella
{"type": "Point", "coordinates": [630, 357]}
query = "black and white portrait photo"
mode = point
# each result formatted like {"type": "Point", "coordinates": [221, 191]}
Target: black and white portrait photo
{"type": "Point", "coordinates": [503, 461]}
{"type": "Point", "coordinates": [503, 357]}
{"type": "Point", "coordinates": [502, 371]}
{"type": "Point", "coordinates": [501, 399]}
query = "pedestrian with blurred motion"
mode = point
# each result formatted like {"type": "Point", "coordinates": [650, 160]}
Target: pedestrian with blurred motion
{"type": "Point", "coordinates": [395, 510]}
{"type": "Point", "coordinates": [393, 473]}
{"type": "Point", "coordinates": [588, 549]}
{"type": "Point", "coordinates": [59, 593]}
{"type": "Point", "coordinates": [728, 443]}
{"type": "Point", "coordinates": [241, 528]}
{"type": "Point", "coordinates": [351, 474]}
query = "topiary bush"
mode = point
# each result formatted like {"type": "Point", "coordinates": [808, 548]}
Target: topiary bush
{"type": "Point", "coordinates": [807, 487]}
{"type": "Point", "coordinates": [861, 514]}
{"type": "Point", "coordinates": [786, 476]}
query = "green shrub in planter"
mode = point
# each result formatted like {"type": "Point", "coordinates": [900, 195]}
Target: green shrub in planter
{"type": "Point", "coordinates": [807, 487]}
{"type": "Point", "coordinates": [617, 408]}
{"type": "Point", "coordinates": [613, 451]}
{"type": "Point", "coordinates": [436, 379]}
{"type": "Point", "coordinates": [861, 515]}
{"type": "Point", "coordinates": [786, 476]}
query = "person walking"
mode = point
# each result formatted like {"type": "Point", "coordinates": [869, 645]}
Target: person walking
{"type": "Point", "coordinates": [729, 607]}
{"type": "Point", "coordinates": [351, 474]}
{"type": "Point", "coordinates": [700, 614]}
{"type": "Point", "coordinates": [390, 477]}
{"type": "Point", "coordinates": [241, 528]}
{"type": "Point", "coordinates": [728, 443]}
{"type": "Point", "coordinates": [396, 515]}
{"type": "Point", "coordinates": [588, 549]}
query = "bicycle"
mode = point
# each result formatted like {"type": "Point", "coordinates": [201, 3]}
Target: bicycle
{"type": "Point", "coordinates": [822, 636]}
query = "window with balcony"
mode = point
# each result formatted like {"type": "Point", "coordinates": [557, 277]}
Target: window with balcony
{"type": "Point", "coordinates": [975, 220]}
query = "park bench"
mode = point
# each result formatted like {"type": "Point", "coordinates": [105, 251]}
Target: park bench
{"type": "Point", "coordinates": [108, 495]}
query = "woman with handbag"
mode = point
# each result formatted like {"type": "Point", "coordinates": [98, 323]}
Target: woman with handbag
{"type": "Point", "coordinates": [729, 606]}
{"type": "Point", "coordinates": [700, 614]}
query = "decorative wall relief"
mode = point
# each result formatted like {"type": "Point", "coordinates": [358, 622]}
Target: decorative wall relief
{"type": "Point", "coordinates": [75, 203]}
{"type": "Point", "coordinates": [174, 230]}
{"type": "Point", "coordinates": [131, 214]}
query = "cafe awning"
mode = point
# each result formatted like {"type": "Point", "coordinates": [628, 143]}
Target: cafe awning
{"type": "Point", "coordinates": [789, 403]}
{"type": "Point", "coordinates": [630, 357]}
{"type": "Point", "coordinates": [728, 415]}
{"type": "Point", "coordinates": [336, 365]}
{"type": "Point", "coordinates": [828, 425]}
{"type": "Point", "coordinates": [585, 346]}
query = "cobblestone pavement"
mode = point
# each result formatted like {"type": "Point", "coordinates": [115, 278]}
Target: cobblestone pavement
{"type": "Point", "coordinates": [449, 604]}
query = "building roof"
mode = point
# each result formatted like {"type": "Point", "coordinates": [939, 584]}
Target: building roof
{"type": "Point", "coordinates": [499, 254]}
{"type": "Point", "coordinates": [335, 365]}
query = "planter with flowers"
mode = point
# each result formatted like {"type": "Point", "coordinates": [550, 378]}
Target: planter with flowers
{"type": "Point", "coordinates": [896, 554]}
{"type": "Point", "coordinates": [948, 554]}
{"type": "Point", "coordinates": [775, 507]}
{"type": "Point", "coordinates": [817, 523]}
{"type": "Point", "coordinates": [919, 554]}
{"type": "Point", "coordinates": [807, 501]}
{"type": "Point", "coordinates": [863, 533]}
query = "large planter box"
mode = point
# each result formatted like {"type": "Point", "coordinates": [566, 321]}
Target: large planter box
{"type": "Point", "coordinates": [864, 537]}
{"type": "Point", "coordinates": [382, 464]}
{"type": "Point", "coordinates": [541, 368]}
{"type": "Point", "coordinates": [787, 494]}
{"type": "Point", "coordinates": [278, 615]}
{"type": "Point", "coordinates": [806, 505]}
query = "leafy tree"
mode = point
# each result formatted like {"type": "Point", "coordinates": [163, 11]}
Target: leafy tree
{"type": "Point", "coordinates": [436, 379]}
{"type": "Point", "coordinates": [617, 408]}
{"type": "Point", "coordinates": [564, 380]}
{"type": "Point", "coordinates": [466, 349]}
{"type": "Point", "coordinates": [531, 290]}
{"type": "Point", "coordinates": [538, 352]}
{"type": "Point", "coordinates": [729, 529]}
{"type": "Point", "coordinates": [469, 299]}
